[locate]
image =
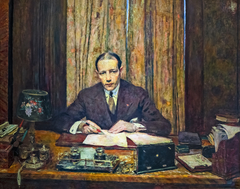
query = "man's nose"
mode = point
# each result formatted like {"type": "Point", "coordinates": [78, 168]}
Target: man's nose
{"type": "Point", "coordinates": [108, 78]}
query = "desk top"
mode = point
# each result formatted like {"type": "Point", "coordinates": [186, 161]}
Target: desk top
{"type": "Point", "coordinates": [176, 176]}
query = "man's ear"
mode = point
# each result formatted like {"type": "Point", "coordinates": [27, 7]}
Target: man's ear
{"type": "Point", "coordinates": [97, 74]}
{"type": "Point", "coordinates": [121, 69]}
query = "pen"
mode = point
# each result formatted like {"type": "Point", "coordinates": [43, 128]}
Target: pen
{"type": "Point", "coordinates": [98, 130]}
{"type": "Point", "coordinates": [15, 134]}
{"type": "Point", "coordinates": [24, 135]}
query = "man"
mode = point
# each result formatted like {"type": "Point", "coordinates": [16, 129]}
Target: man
{"type": "Point", "coordinates": [112, 104]}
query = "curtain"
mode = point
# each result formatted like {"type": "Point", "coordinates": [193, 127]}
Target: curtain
{"type": "Point", "coordinates": [150, 45]}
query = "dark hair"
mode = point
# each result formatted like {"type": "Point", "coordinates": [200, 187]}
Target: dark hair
{"type": "Point", "coordinates": [108, 56]}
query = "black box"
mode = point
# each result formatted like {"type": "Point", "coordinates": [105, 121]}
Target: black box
{"type": "Point", "coordinates": [155, 157]}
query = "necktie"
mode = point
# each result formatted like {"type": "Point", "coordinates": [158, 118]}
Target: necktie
{"type": "Point", "coordinates": [111, 103]}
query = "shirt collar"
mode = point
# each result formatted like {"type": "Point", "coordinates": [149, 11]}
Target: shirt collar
{"type": "Point", "coordinates": [115, 91]}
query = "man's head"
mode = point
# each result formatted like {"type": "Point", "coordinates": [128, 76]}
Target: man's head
{"type": "Point", "coordinates": [108, 68]}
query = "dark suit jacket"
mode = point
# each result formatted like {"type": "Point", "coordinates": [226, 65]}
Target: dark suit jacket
{"type": "Point", "coordinates": [132, 102]}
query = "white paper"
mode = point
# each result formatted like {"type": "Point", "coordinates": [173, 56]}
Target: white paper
{"type": "Point", "coordinates": [230, 130]}
{"type": "Point", "coordinates": [146, 139]}
{"type": "Point", "coordinates": [108, 139]}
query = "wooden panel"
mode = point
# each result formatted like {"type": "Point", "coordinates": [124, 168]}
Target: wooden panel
{"type": "Point", "coordinates": [238, 54]}
{"type": "Point", "coordinates": [4, 40]}
{"type": "Point", "coordinates": [220, 58]}
{"type": "Point", "coordinates": [212, 63]}
{"type": "Point", "coordinates": [149, 46]}
{"type": "Point", "coordinates": [39, 35]}
{"type": "Point", "coordinates": [194, 67]}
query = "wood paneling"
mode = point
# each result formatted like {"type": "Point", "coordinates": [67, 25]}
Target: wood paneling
{"type": "Point", "coordinates": [211, 62]}
{"type": "Point", "coordinates": [220, 58]}
{"type": "Point", "coordinates": [39, 49]}
{"type": "Point", "coordinates": [4, 41]}
{"type": "Point", "coordinates": [194, 67]}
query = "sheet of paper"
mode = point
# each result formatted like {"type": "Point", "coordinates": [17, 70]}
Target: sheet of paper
{"type": "Point", "coordinates": [230, 130]}
{"type": "Point", "coordinates": [145, 139]}
{"type": "Point", "coordinates": [107, 139]}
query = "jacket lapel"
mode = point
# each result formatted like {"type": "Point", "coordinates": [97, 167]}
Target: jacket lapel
{"type": "Point", "coordinates": [102, 107]}
{"type": "Point", "coordinates": [124, 102]}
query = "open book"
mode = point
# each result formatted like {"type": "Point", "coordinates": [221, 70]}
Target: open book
{"type": "Point", "coordinates": [195, 162]}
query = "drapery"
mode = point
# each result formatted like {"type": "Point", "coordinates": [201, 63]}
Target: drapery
{"type": "Point", "coordinates": [150, 45]}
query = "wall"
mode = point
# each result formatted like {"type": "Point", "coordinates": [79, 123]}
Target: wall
{"type": "Point", "coordinates": [212, 63]}
{"type": "Point", "coordinates": [39, 50]}
{"type": "Point", "coordinates": [4, 41]}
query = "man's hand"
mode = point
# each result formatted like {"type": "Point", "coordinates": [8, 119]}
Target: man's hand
{"type": "Point", "coordinates": [90, 127]}
{"type": "Point", "coordinates": [122, 126]}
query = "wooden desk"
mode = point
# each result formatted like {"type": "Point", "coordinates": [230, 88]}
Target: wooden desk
{"type": "Point", "coordinates": [49, 177]}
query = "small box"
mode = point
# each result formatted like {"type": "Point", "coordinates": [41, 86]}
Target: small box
{"type": "Point", "coordinates": [6, 155]}
{"type": "Point", "coordinates": [155, 157]}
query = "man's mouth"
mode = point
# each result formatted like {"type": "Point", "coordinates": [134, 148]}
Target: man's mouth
{"type": "Point", "coordinates": [109, 85]}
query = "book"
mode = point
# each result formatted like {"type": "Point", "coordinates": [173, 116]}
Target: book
{"type": "Point", "coordinates": [218, 136]}
{"type": "Point", "coordinates": [229, 129]}
{"type": "Point", "coordinates": [7, 129]}
{"type": "Point", "coordinates": [223, 131]}
{"type": "Point", "coordinates": [195, 162]}
{"type": "Point", "coordinates": [210, 137]}
{"type": "Point", "coordinates": [227, 118]}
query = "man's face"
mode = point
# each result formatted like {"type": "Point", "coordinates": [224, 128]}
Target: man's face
{"type": "Point", "coordinates": [109, 74]}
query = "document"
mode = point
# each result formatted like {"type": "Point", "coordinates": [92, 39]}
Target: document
{"type": "Point", "coordinates": [108, 139]}
{"type": "Point", "coordinates": [146, 139]}
{"type": "Point", "coordinates": [120, 139]}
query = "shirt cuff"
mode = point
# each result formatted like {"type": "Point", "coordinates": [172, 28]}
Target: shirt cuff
{"type": "Point", "coordinates": [74, 127]}
{"type": "Point", "coordinates": [139, 126]}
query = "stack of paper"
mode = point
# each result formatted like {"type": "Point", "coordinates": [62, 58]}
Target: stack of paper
{"type": "Point", "coordinates": [120, 139]}
{"type": "Point", "coordinates": [107, 139]}
{"type": "Point", "coordinates": [145, 139]}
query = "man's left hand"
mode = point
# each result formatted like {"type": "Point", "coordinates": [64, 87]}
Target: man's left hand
{"type": "Point", "coordinates": [122, 126]}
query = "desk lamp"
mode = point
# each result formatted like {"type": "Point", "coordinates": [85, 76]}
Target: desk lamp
{"type": "Point", "coordinates": [33, 106]}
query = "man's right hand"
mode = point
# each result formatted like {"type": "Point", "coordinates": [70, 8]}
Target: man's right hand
{"type": "Point", "coordinates": [90, 127]}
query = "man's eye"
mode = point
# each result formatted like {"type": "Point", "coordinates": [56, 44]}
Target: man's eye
{"type": "Point", "coordinates": [114, 71]}
{"type": "Point", "coordinates": [102, 73]}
